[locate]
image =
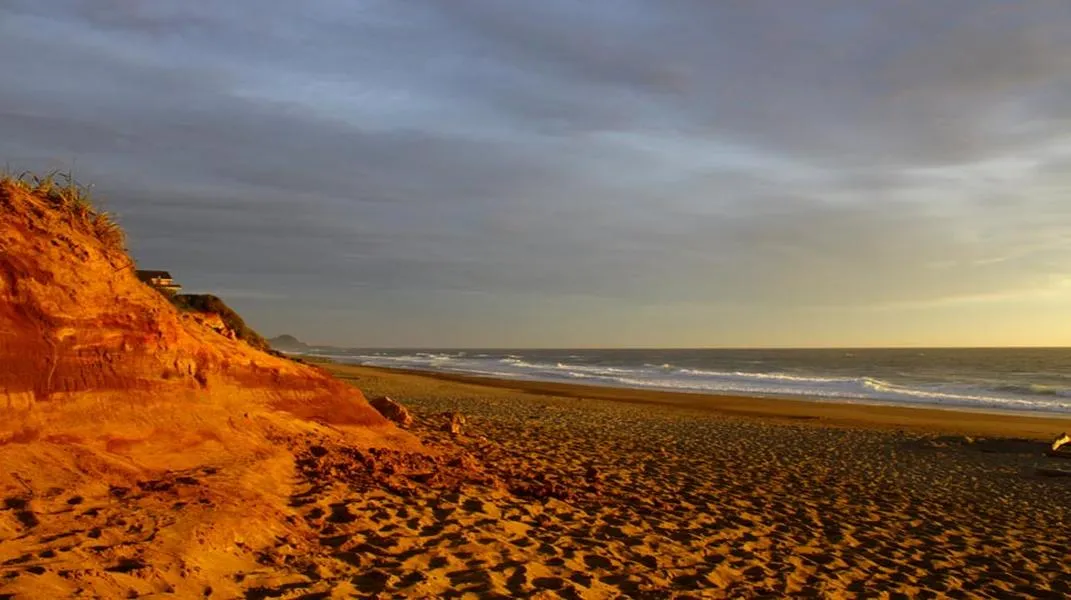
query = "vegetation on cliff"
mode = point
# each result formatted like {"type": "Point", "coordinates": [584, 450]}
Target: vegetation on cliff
{"type": "Point", "coordinates": [207, 303]}
{"type": "Point", "coordinates": [61, 192]}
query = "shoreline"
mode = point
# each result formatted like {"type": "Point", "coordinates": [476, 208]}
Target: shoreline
{"type": "Point", "coordinates": [819, 411]}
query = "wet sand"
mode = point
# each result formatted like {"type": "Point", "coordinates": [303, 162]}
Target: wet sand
{"type": "Point", "coordinates": [606, 493]}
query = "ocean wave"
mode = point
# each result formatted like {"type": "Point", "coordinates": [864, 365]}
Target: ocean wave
{"type": "Point", "coordinates": [517, 362]}
{"type": "Point", "coordinates": [436, 356]}
{"type": "Point", "coordinates": [592, 369]}
{"type": "Point", "coordinates": [772, 376]}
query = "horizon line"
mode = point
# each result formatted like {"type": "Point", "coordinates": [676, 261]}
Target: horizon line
{"type": "Point", "coordinates": [1009, 347]}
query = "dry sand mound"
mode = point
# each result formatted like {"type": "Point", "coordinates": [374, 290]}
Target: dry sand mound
{"type": "Point", "coordinates": [116, 406]}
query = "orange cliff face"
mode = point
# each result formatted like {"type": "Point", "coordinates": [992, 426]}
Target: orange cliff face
{"type": "Point", "coordinates": [118, 413]}
{"type": "Point", "coordinates": [91, 358]}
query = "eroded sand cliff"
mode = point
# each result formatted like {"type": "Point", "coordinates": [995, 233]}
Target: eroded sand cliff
{"type": "Point", "coordinates": [161, 450]}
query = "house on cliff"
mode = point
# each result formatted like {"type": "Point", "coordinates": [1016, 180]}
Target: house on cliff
{"type": "Point", "coordinates": [161, 280]}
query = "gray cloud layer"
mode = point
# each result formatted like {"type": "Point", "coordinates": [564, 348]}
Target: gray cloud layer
{"type": "Point", "coordinates": [481, 172]}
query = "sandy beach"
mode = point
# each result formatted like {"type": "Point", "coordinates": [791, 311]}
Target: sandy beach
{"type": "Point", "coordinates": [552, 491]}
{"type": "Point", "coordinates": [602, 493]}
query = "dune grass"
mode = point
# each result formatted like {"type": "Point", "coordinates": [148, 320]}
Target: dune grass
{"type": "Point", "coordinates": [63, 192]}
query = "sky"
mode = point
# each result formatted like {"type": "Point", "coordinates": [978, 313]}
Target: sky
{"type": "Point", "coordinates": [487, 173]}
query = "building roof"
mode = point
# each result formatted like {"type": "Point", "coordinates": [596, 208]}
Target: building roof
{"type": "Point", "coordinates": [153, 274]}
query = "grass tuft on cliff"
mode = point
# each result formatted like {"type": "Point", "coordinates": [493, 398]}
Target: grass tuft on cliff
{"type": "Point", "coordinates": [207, 303]}
{"type": "Point", "coordinates": [64, 193]}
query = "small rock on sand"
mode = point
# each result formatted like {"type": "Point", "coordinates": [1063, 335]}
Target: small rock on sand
{"type": "Point", "coordinates": [392, 410]}
{"type": "Point", "coordinates": [455, 423]}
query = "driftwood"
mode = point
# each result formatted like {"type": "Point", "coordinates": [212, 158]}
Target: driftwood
{"type": "Point", "coordinates": [1061, 447]}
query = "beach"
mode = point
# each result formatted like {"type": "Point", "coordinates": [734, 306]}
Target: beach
{"type": "Point", "coordinates": [509, 489]}
{"type": "Point", "coordinates": [604, 493]}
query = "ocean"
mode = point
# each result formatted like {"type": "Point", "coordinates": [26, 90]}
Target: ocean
{"type": "Point", "coordinates": [991, 379]}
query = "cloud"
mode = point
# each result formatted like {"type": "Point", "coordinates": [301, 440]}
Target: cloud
{"type": "Point", "coordinates": [421, 159]}
{"type": "Point", "coordinates": [831, 82]}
